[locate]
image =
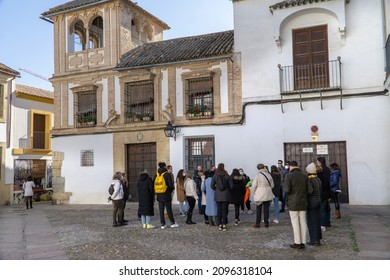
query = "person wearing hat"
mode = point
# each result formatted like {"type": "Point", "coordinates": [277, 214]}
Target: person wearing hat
{"type": "Point", "coordinates": [313, 207]}
{"type": "Point", "coordinates": [145, 188]}
{"type": "Point", "coordinates": [297, 188]}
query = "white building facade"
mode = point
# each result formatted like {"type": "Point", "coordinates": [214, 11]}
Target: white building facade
{"type": "Point", "coordinates": [314, 84]}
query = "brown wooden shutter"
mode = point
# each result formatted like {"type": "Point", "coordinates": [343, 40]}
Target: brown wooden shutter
{"type": "Point", "coordinates": [310, 49]}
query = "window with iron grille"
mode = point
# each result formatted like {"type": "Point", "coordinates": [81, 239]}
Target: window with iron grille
{"type": "Point", "coordinates": [199, 151]}
{"type": "Point", "coordinates": [86, 158]}
{"type": "Point", "coordinates": [85, 108]}
{"type": "Point", "coordinates": [139, 101]}
{"type": "Point", "coordinates": [199, 96]}
{"type": "Point", "coordinates": [1, 101]}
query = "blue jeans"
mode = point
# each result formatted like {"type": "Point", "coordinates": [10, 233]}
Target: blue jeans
{"type": "Point", "coordinates": [146, 219]}
{"type": "Point", "coordinates": [183, 206]}
{"type": "Point", "coordinates": [276, 204]}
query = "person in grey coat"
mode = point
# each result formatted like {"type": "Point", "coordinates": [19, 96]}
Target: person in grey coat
{"type": "Point", "coordinates": [298, 188]}
{"type": "Point", "coordinates": [222, 184]}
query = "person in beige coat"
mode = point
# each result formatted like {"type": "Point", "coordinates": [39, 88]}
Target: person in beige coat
{"type": "Point", "coordinates": [180, 192]}
{"type": "Point", "coordinates": [191, 196]}
{"type": "Point", "coordinates": [262, 194]}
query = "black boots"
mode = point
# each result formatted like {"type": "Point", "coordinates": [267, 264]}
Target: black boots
{"type": "Point", "coordinates": [189, 219]}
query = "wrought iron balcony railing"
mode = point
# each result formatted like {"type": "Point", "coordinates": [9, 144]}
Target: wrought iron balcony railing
{"type": "Point", "coordinates": [308, 78]}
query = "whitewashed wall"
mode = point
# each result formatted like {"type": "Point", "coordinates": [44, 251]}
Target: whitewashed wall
{"type": "Point", "coordinates": [363, 123]}
{"type": "Point", "coordinates": [89, 185]}
{"type": "Point", "coordinates": [261, 140]}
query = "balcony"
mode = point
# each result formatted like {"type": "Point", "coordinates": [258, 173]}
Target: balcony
{"type": "Point", "coordinates": [310, 81]}
{"type": "Point", "coordinates": [38, 144]}
{"type": "Point", "coordinates": [309, 78]}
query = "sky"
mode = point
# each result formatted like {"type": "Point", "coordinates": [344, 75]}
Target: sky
{"type": "Point", "coordinates": [26, 41]}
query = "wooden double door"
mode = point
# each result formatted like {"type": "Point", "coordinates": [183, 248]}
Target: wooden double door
{"type": "Point", "coordinates": [305, 153]}
{"type": "Point", "coordinates": [140, 157]}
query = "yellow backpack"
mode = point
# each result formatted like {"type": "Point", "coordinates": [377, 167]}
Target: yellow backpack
{"type": "Point", "coordinates": [160, 186]}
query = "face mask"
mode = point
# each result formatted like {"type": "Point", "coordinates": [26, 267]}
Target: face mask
{"type": "Point", "coordinates": [241, 173]}
{"type": "Point", "coordinates": [286, 167]}
{"type": "Point", "coordinates": [184, 174]}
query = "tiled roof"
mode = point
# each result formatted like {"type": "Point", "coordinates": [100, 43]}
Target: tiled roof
{"type": "Point", "coordinates": [180, 49]}
{"type": "Point", "coordinates": [34, 91]}
{"type": "Point", "coordinates": [4, 68]}
{"type": "Point", "coordinates": [80, 4]}
{"type": "Point", "coordinates": [292, 3]}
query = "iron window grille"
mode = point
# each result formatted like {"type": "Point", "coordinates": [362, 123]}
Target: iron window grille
{"type": "Point", "coordinates": [199, 151]}
{"type": "Point", "coordinates": [85, 108]}
{"type": "Point", "coordinates": [139, 102]}
{"type": "Point", "coordinates": [86, 158]}
{"type": "Point", "coordinates": [199, 94]}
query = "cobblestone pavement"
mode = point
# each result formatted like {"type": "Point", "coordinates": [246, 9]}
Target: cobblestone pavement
{"type": "Point", "coordinates": [85, 232]}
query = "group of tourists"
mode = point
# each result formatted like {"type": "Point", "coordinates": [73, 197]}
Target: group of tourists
{"type": "Point", "coordinates": [306, 195]}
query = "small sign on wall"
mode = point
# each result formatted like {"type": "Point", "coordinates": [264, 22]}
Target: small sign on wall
{"type": "Point", "coordinates": [307, 150]}
{"type": "Point", "coordinates": [322, 149]}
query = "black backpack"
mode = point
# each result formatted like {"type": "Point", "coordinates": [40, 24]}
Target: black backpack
{"type": "Point", "coordinates": [111, 188]}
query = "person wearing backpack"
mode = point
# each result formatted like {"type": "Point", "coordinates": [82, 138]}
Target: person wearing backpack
{"type": "Point", "coordinates": [222, 184]}
{"type": "Point", "coordinates": [117, 200]}
{"type": "Point", "coordinates": [163, 187]}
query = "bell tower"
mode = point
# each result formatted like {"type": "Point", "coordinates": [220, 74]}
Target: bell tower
{"type": "Point", "coordinates": [92, 35]}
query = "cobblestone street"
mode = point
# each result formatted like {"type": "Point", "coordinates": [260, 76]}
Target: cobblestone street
{"type": "Point", "coordinates": [85, 232]}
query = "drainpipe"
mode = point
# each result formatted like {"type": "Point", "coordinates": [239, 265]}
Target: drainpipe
{"type": "Point", "coordinates": [9, 113]}
{"type": "Point", "coordinates": [384, 32]}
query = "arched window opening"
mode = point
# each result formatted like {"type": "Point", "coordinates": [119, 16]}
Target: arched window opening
{"type": "Point", "coordinates": [79, 37]}
{"type": "Point", "coordinates": [96, 33]}
{"type": "Point", "coordinates": [134, 32]}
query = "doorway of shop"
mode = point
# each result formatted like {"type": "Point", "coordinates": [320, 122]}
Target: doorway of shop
{"type": "Point", "coordinates": [139, 157]}
{"type": "Point", "coordinates": [305, 153]}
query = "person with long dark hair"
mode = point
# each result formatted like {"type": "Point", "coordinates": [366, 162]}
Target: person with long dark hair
{"type": "Point", "coordinates": [180, 193]}
{"type": "Point", "coordinates": [222, 184]}
{"type": "Point", "coordinates": [237, 193]}
{"type": "Point", "coordinates": [276, 190]}
{"type": "Point", "coordinates": [335, 180]}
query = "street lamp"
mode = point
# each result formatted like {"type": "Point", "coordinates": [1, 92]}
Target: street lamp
{"type": "Point", "coordinates": [170, 130]}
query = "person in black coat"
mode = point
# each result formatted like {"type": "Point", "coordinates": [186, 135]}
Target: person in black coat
{"type": "Point", "coordinates": [324, 176]}
{"type": "Point", "coordinates": [165, 199]}
{"type": "Point", "coordinates": [146, 199]}
{"type": "Point", "coordinates": [237, 193]}
{"type": "Point", "coordinates": [222, 184]}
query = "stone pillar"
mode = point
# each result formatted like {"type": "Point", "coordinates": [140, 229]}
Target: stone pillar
{"type": "Point", "coordinates": [59, 195]}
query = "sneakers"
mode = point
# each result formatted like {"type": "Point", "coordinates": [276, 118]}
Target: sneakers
{"type": "Point", "coordinates": [236, 222]}
{"type": "Point", "coordinates": [276, 221]}
{"type": "Point", "coordinates": [250, 212]}
{"type": "Point", "coordinates": [224, 228]}
{"type": "Point", "coordinates": [144, 225]}
{"type": "Point", "coordinates": [163, 226]}
{"type": "Point", "coordinates": [256, 225]}
{"type": "Point", "coordinates": [182, 214]}
{"type": "Point", "coordinates": [220, 227]}
{"type": "Point", "coordinates": [150, 226]}
{"type": "Point", "coordinates": [323, 228]}
{"type": "Point", "coordinates": [174, 225]}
